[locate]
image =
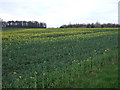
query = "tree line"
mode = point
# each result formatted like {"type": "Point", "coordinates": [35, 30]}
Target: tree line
{"type": "Point", "coordinates": [92, 25]}
{"type": "Point", "coordinates": [24, 24]}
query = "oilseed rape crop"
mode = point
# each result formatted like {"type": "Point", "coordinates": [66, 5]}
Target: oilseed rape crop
{"type": "Point", "coordinates": [58, 57]}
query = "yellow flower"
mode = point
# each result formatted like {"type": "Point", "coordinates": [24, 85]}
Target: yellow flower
{"type": "Point", "coordinates": [87, 60]}
{"type": "Point", "coordinates": [14, 73]}
{"type": "Point", "coordinates": [44, 61]}
{"type": "Point", "coordinates": [105, 50]}
{"type": "Point", "coordinates": [32, 77]}
{"type": "Point", "coordinates": [43, 73]}
{"type": "Point", "coordinates": [90, 57]}
{"type": "Point", "coordinates": [20, 77]}
{"type": "Point", "coordinates": [103, 53]}
{"type": "Point", "coordinates": [94, 50]}
{"type": "Point", "coordinates": [17, 79]}
{"type": "Point", "coordinates": [35, 72]}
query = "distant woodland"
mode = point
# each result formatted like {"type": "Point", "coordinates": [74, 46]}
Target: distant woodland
{"type": "Point", "coordinates": [24, 24]}
{"type": "Point", "coordinates": [36, 24]}
{"type": "Point", "coordinates": [92, 25]}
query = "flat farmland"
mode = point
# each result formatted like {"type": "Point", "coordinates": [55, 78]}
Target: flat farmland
{"type": "Point", "coordinates": [60, 58]}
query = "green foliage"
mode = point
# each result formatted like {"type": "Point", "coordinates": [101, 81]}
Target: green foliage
{"type": "Point", "coordinates": [50, 58]}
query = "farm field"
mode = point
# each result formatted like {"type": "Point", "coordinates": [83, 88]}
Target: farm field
{"type": "Point", "coordinates": [60, 58]}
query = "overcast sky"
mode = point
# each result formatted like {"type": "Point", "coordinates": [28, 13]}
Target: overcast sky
{"type": "Point", "coordinates": [58, 12]}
